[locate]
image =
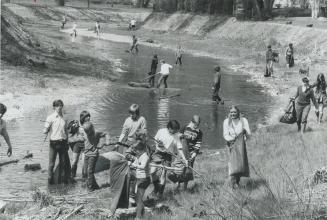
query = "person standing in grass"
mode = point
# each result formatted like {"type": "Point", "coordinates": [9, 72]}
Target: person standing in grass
{"type": "Point", "coordinates": [142, 166]}
{"type": "Point", "coordinates": [164, 71]}
{"type": "Point", "coordinates": [154, 65]}
{"type": "Point", "coordinates": [193, 136]}
{"type": "Point", "coordinates": [321, 96]}
{"type": "Point", "coordinates": [57, 126]}
{"type": "Point", "coordinates": [3, 129]}
{"type": "Point", "coordinates": [269, 61]}
{"type": "Point", "coordinates": [236, 132]}
{"type": "Point", "coordinates": [134, 45]}
{"type": "Point", "coordinates": [290, 56]}
{"type": "Point", "coordinates": [304, 94]}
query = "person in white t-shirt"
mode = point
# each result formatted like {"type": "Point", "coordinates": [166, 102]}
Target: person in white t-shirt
{"type": "Point", "coordinates": [132, 24]}
{"type": "Point", "coordinates": [164, 71]}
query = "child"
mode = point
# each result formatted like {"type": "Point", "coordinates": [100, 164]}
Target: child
{"type": "Point", "coordinates": [141, 163]}
{"type": "Point", "coordinates": [91, 142]}
{"type": "Point", "coordinates": [97, 28]}
{"type": "Point", "coordinates": [3, 129]}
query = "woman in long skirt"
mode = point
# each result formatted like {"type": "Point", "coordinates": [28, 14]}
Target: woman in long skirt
{"type": "Point", "coordinates": [236, 132]}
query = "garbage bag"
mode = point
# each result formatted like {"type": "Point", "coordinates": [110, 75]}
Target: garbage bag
{"type": "Point", "coordinates": [290, 115]}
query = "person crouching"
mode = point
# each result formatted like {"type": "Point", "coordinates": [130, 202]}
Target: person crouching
{"type": "Point", "coordinates": [141, 164]}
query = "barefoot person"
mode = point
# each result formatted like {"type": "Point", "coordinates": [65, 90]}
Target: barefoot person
{"type": "Point", "coordinates": [134, 45]}
{"type": "Point", "coordinates": [74, 33]}
{"type": "Point", "coordinates": [290, 56]}
{"type": "Point", "coordinates": [164, 71]}
{"type": "Point", "coordinates": [193, 136]}
{"type": "Point", "coordinates": [321, 96]}
{"type": "Point", "coordinates": [153, 71]}
{"type": "Point", "coordinates": [236, 132]}
{"type": "Point", "coordinates": [3, 129]}
{"type": "Point", "coordinates": [304, 94]}
{"type": "Point", "coordinates": [178, 54]}
{"type": "Point", "coordinates": [168, 146]}
{"type": "Point", "coordinates": [57, 126]}
{"type": "Point", "coordinates": [216, 85]}
{"type": "Point", "coordinates": [97, 28]}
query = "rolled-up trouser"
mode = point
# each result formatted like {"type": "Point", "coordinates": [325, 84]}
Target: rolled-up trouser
{"type": "Point", "coordinates": [164, 79]}
{"type": "Point", "coordinates": [302, 112]}
{"type": "Point", "coordinates": [56, 147]}
{"type": "Point", "coordinates": [142, 184]}
{"type": "Point", "coordinates": [269, 66]}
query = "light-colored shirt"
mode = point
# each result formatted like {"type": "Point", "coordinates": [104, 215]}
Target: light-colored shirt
{"type": "Point", "coordinates": [130, 127]}
{"type": "Point", "coordinates": [133, 22]}
{"type": "Point", "coordinates": [164, 69]}
{"type": "Point", "coordinates": [142, 165]}
{"type": "Point", "coordinates": [169, 140]}
{"type": "Point", "coordinates": [74, 27]}
{"type": "Point", "coordinates": [57, 126]}
{"type": "Point", "coordinates": [235, 128]}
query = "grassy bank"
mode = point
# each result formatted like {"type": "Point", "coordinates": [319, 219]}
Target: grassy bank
{"type": "Point", "coordinates": [283, 161]}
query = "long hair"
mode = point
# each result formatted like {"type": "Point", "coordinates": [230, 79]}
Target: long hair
{"type": "Point", "coordinates": [321, 82]}
{"type": "Point", "coordinates": [238, 114]}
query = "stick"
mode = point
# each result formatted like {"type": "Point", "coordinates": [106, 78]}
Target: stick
{"type": "Point", "coordinates": [29, 155]}
{"type": "Point", "coordinates": [73, 212]}
{"type": "Point", "coordinates": [149, 76]}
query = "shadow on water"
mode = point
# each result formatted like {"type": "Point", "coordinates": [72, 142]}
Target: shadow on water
{"type": "Point", "coordinates": [192, 81]}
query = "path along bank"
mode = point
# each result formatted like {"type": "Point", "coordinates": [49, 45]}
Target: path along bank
{"type": "Point", "coordinates": [282, 160]}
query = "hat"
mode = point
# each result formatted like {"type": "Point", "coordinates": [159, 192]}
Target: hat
{"type": "Point", "coordinates": [305, 79]}
{"type": "Point", "coordinates": [134, 108]}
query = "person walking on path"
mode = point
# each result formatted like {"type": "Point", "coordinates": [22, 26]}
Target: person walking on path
{"type": "Point", "coordinates": [178, 54]}
{"type": "Point", "coordinates": [269, 61]}
{"type": "Point", "coordinates": [290, 56]}
{"type": "Point", "coordinates": [142, 166]}
{"type": "Point", "coordinates": [164, 71]}
{"type": "Point", "coordinates": [154, 65]}
{"type": "Point", "coordinates": [3, 129]}
{"type": "Point", "coordinates": [132, 24]}
{"type": "Point", "coordinates": [304, 94]}
{"type": "Point", "coordinates": [193, 136]}
{"type": "Point", "coordinates": [57, 126]}
{"type": "Point", "coordinates": [134, 45]}
{"type": "Point", "coordinates": [321, 96]}
{"type": "Point", "coordinates": [168, 144]}
{"type": "Point", "coordinates": [236, 132]}
{"type": "Point", "coordinates": [216, 85]}
{"type": "Point", "coordinates": [74, 33]}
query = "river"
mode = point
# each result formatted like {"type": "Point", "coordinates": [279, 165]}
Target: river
{"type": "Point", "coordinates": [192, 80]}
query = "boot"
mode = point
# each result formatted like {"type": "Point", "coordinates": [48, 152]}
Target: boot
{"type": "Point", "coordinates": [74, 168]}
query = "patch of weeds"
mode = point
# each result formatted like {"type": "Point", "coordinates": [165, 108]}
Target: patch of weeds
{"type": "Point", "coordinates": [43, 199]}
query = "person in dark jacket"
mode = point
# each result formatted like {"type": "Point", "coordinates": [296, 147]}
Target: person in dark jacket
{"type": "Point", "coordinates": [303, 96]}
{"type": "Point", "coordinates": [154, 65]}
{"type": "Point", "coordinates": [290, 56]}
{"type": "Point", "coordinates": [321, 95]}
{"type": "Point", "coordinates": [216, 85]}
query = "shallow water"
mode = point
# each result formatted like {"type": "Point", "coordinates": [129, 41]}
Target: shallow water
{"type": "Point", "coordinates": [192, 81]}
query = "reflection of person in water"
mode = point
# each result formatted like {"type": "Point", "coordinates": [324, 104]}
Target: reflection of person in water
{"type": "Point", "coordinates": [163, 111]}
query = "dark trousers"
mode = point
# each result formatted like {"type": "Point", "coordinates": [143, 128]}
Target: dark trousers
{"type": "Point", "coordinates": [179, 60]}
{"type": "Point", "coordinates": [142, 184]}
{"type": "Point", "coordinates": [134, 46]}
{"type": "Point", "coordinates": [60, 148]}
{"type": "Point", "coordinates": [302, 112]}
{"type": "Point", "coordinates": [90, 162]}
{"type": "Point", "coordinates": [151, 79]}
{"type": "Point", "coordinates": [164, 79]}
{"type": "Point", "coordinates": [215, 94]}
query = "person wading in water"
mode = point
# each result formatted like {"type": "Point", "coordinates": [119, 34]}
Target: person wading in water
{"type": "Point", "coordinates": [3, 129]}
{"type": "Point", "coordinates": [321, 95]}
{"type": "Point", "coordinates": [57, 126]}
{"type": "Point", "coordinates": [216, 86]}
{"type": "Point", "coordinates": [178, 54]}
{"type": "Point", "coordinates": [153, 71]}
{"type": "Point", "coordinates": [164, 71]}
{"type": "Point", "coordinates": [134, 45]}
